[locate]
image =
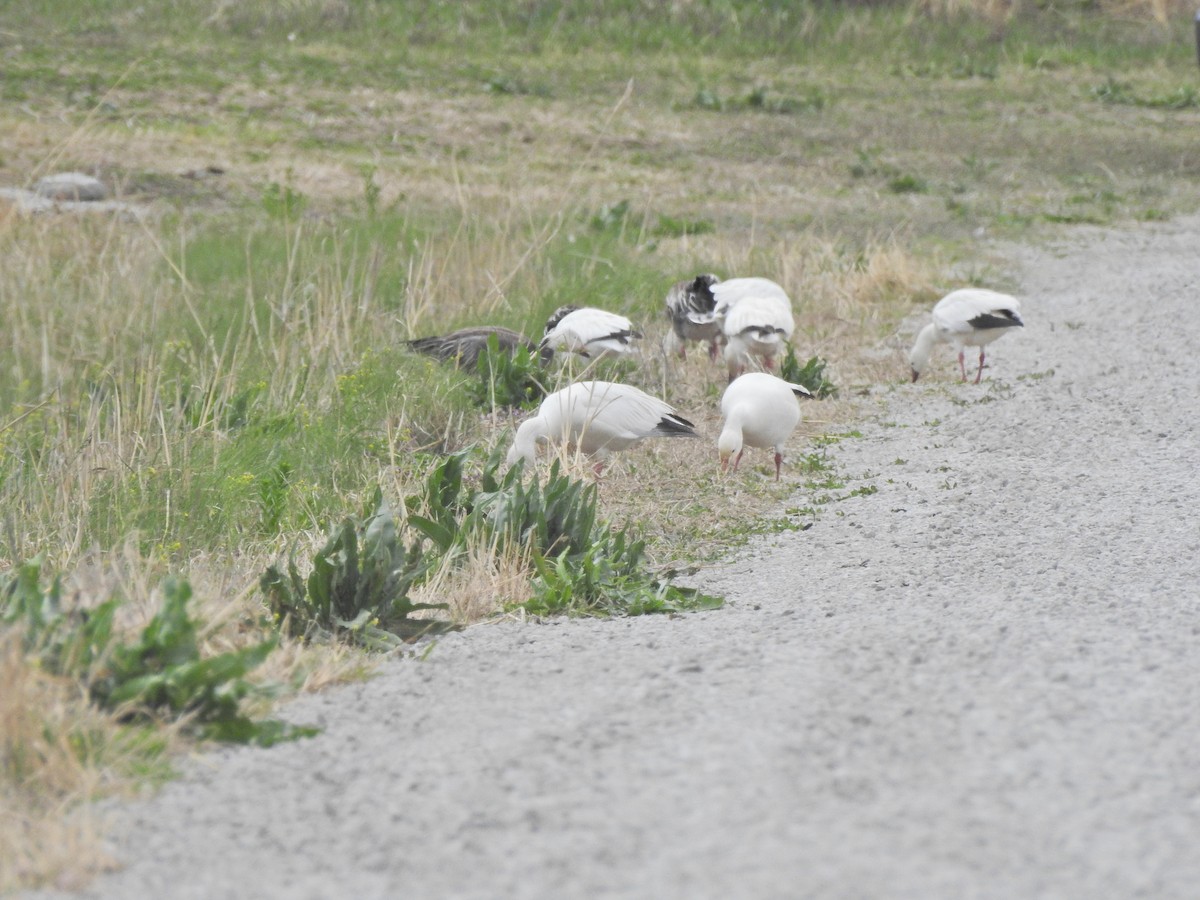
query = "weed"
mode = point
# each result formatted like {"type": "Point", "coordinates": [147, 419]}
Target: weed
{"type": "Point", "coordinates": [908, 184]}
{"type": "Point", "coordinates": [1035, 376]}
{"type": "Point", "coordinates": [810, 375]}
{"type": "Point", "coordinates": [162, 675]}
{"type": "Point", "coordinates": [1113, 90]}
{"type": "Point", "coordinates": [608, 578]}
{"type": "Point", "coordinates": [667, 226]}
{"type": "Point", "coordinates": [582, 565]}
{"type": "Point", "coordinates": [514, 379]}
{"type": "Point", "coordinates": [358, 585]}
{"type": "Point", "coordinates": [865, 491]}
{"type": "Point", "coordinates": [282, 201]}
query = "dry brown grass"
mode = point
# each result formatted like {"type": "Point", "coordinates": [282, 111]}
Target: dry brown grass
{"type": "Point", "coordinates": [55, 751]}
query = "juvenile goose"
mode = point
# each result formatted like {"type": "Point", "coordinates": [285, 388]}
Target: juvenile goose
{"type": "Point", "coordinates": [590, 332]}
{"type": "Point", "coordinates": [760, 411]}
{"type": "Point", "coordinates": [691, 307]}
{"type": "Point", "coordinates": [967, 317]}
{"type": "Point", "coordinates": [464, 346]}
{"type": "Point", "coordinates": [756, 319]}
{"type": "Point", "coordinates": [598, 417]}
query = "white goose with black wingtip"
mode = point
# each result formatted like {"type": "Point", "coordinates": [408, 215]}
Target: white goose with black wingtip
{"type": "Point", "coordinates": [760, 410]}
{"type": "Point", "coordinates": [598, 418]}
{"type": "Point", "coordinates": [968, 317]}
{"type": "Point", "coordinates": [590, 332]}
{"type": "Point", "coordinates": [756, 320]}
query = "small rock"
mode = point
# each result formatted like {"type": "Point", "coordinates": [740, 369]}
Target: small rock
{"type": "Point", "coordinates": [70, 186]}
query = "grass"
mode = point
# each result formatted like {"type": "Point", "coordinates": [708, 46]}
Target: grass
{"type": "Point", "coordinates": [212, 386]}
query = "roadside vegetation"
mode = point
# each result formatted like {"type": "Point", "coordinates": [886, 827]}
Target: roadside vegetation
{"type": "Point", "coordinates": [223, 479]}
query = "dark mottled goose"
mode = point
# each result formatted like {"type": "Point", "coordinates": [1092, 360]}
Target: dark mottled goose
{"type": "Point", "coordinates": [464, 346]}
{"type": "Point", "coordinates": [691, 307]}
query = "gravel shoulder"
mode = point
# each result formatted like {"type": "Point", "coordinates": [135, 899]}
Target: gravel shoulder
{"type": "Point", "coordinates": [978, 681]}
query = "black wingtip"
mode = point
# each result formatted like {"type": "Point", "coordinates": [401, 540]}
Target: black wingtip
{"type": "Point", "coordinates": [674, 425]}
{"type": "Point", "coordinates": [997, 318]}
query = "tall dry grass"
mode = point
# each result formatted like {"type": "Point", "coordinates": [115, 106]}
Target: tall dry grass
{"type": "Point", "coordinates": [56, 751]}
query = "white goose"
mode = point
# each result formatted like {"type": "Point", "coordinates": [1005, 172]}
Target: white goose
{"type": "Point", "coordinates": [590, 332]}
{"type": "Point", "coordinates": [756, 319]}
{"type": "Point", "coordinates": [691, 307]}
{"type": "Point", "coordinates": [760, 411]}
{"type": "Point", "coordinates": [598, 417]}
{"type": "Point", "coordinates": [967, 317]}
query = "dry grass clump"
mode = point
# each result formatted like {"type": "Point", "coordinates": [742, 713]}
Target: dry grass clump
{"type": "Point", "coordinates": [479, 584]}
{"type": "Point", "coordinates": [56, 751]}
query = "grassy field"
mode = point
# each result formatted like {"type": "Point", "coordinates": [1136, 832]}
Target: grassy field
{"type": "Point", "coordinates": [209, 382]}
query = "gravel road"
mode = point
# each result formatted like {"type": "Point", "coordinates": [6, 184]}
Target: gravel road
{"type": "Point", "coordinates": [979, 681]}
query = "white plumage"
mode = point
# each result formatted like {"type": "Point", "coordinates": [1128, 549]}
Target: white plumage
{"type": "Point", "coordinates": [691, 307]}
{"type": "Point", "coordinates": [969, 317]}
{"type": "Point", "coordinates": [760, 411]}
{"type": "Point", "coordinates": [590, 332]}
{"type": "Point", "coordinates": [598, 417]}
{"type": "Point", "coordinates": [756, 319]}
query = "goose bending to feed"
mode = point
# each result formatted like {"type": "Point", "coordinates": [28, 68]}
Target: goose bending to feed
{"type": "Point", "coordinates": [590, 332]}
{"type": "Point", "coordinates": [691, 307]}
{"type": "Point", "coordinates": [464, 346]}
{"type": "Point", "coordinates": [756, 319]}
{"type": "Point", "coordinates": [598, 417]}
{"type": "Point", "coordinates": [969, 317]}
{"type": "Point", "coordinates": [760, 410]}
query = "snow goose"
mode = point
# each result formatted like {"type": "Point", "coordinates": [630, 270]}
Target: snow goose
{"type": "Point", "coordinates": [464, 346]}
{"type": "Point", "coordinates": [967, 317]}
{"type": "Point", "coordinates": [598, 417]}
{"type": "Point", "coordinates": [590, 332]}
{"type": "Point", "coordinates": [760, 410]}
{"type": "Point", "coordinates": [691, 307]}
{"type": "Point", "coordinates": [756, 319]}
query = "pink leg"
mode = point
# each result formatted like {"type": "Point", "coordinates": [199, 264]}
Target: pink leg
{"type": "Point", "coordinates": [769, 363]}
{"type": "Point", "coordinates": [979, 374]}
{"type": "Point", "coordinates": [713, 350]}
{"type": "Point", "coordinates": [962, 366]}
{"type": "Point", "coordinates": [778, 463]}
{"type": "Point", "coordinates": [683, 351]}
{"type": "Point", "coordinates": [737, 459]}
